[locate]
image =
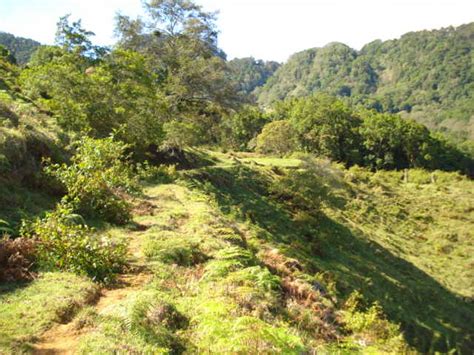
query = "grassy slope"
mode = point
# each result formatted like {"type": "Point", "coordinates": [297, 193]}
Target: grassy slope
{"type": "Point", "coordinates": [26, 310]}
{"type": "Point", "coordinates": [407, 246]}
{"type": "Point", "coordinates": [26, 137]}
{"type": "Point", "coordinates": [232, 268]}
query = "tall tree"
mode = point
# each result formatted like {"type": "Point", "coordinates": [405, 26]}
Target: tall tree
{"type": "Point", "coordinates": [181, 41]}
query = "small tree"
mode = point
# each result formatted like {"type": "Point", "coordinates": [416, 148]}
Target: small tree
{"type": "Point", "coordinates": [240, 128]}
{"type": "Point", "coordinates": [277, 137]}
{"type": "Point", "coordinates": [97, 179]}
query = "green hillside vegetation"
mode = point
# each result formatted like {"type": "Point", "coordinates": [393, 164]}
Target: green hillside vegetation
{"type": "Point", "coordinates": [147, 206]}
{"type": "Point", "coordinates": [250, 73]}
{"type": "Point", "coordinates": [425, 75]}
{"type": "Point", "coordinates": [20, 48]}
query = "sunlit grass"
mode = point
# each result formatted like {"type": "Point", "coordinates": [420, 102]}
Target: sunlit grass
{"type": "Point", "coordinates": [26, 310]}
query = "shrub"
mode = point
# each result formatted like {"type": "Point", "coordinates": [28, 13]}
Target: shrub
{"type": "Point", "coordinates": [16, 258]}
{"type": "Point", "coordinates": [242, 127]}
{"type": "Point", "coordinates": [97, 179]}
{"type": "Point", "coordinates": [370, 326]}
{"type": "Point", "coordinates": [277, 137]}
{"type": "Point", "coordinates": [66, 245]}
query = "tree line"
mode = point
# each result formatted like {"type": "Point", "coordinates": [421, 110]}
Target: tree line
{"type": "Point", "coordinates": [166, 85]}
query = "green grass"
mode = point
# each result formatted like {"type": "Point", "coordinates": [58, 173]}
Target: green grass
{"type": "Point", "coordinates": [28, 309]}
{"type": "Point", "coordinates": [225, 297]}
{"type": "Point", "coordinates": [141, 323]}
{"type": "Point", "coordinates": [234, 266]}
{"type": "Point", "coordinates": [20, 202]}
{"type": "Point", "coordinates": [406, 246]}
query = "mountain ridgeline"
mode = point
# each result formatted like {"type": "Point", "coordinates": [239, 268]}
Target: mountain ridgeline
{"type": "Point", "coordinates": [251, 73]}
{"type": "Point", "coordinates": [20, 48]}
{"type": "Point", "coordinates": [425, 75]}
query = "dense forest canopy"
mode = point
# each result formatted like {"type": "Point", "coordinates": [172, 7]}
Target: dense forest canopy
{"type": "Point", "coordinates": [21, 48]}
{"type": "Point", "coordinates": [251, 73]}
{"type": "Point", "coordinates": [425, 75]}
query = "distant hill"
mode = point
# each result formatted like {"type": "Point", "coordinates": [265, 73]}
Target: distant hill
{"type": "Point", "coordinates": [426, 75]}
{"type": "Point", "coordinates": [250, 73]}
{"type": "Point", "coordinates": [20, 47]}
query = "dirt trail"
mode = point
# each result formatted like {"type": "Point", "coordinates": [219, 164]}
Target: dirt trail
{"type": "Point", "coordinates": [64, 338]}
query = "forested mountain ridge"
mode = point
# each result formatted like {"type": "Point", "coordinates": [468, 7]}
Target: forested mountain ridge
{"type": "Point", "coordinates": [425, 75]}
{"type": "Point", "coordinates": [251, 73]}
{"type": "Point", "coordinates": [21, 48]}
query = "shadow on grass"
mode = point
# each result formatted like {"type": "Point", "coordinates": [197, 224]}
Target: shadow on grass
{"type": "Point", "coordinates": [12, 286]}
{"type": "Point", "coordinates": [431, 317]}
{"type": "Point", "coordinates": [18, 202]}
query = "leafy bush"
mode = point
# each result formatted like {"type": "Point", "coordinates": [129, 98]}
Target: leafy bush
{"type": "Point", "coordinates": [277, 137]}
{"type": "Point", "coordinates": [242, 127]}
{"type": "Point", "coordinates": [370, 326]}
{"type": "Point", "coordinates": [66, 245]}
{"type": "Point", "coordinates": [326, 126]}
{"type": "Point", "coordinates": [97, 179]}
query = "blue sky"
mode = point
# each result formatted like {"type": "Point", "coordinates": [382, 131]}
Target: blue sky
{"type": "Point", "coordinates": [267, 29]}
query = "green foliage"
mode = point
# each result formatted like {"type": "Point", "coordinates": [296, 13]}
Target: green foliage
{"type": "Point", "coordinates": [245, 334]}
{"type": "Point", "coordinates": [180, 135]}
{"type": "Point", "coordinates": [392, 142]}
{"type": "Point", "coordinates": [5, 227]}
{"type": "Point", "coordinates": [184, 252]}
{"type": "Point", "coordinates": [119, 94]}
{"type": "Point", "coordinates": [434, 89]}
{"type": "Point", "coordinates": [20, 48]}
{"type": "Point", "coordinates": [277, 137]}
{"type": "Point", "coordinates": [97, 179]}
{"type": "Point", "coordinates": [250, 73]}
{"type": "Point", "coordinates": [180, 40]}
{"type": "Point", "coordinates": [156, 173]}
{"type": "Point", "coordinates": [326, 126]}
{"type": "Point", "coordinates": [370, 328]}
{"type": "Point", "coordinates": [6, 55]}
{"type": "Point", "coordinates": [302, 189]}
{"type": "Point", "coordinates": [240, 129]}
{"type": "Point", "coordinates": [68, 246]}
{"type": "Point", "coordinates": [73, 38]}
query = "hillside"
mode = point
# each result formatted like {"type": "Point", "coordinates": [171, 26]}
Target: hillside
{"type": "Point", "coordinates": [147, 207]}
{"type": "Point", "coordinates": [221, 260]}
{"type": "Point", "coordinates": [424, 75]}
{"type": "Point", "coordinates": [21, 48]}
{"type": "Point", "coordinates": [250, 73]}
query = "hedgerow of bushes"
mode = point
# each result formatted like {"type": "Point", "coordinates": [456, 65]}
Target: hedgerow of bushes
{"type": "Point", "coordinates": [97, 182]}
